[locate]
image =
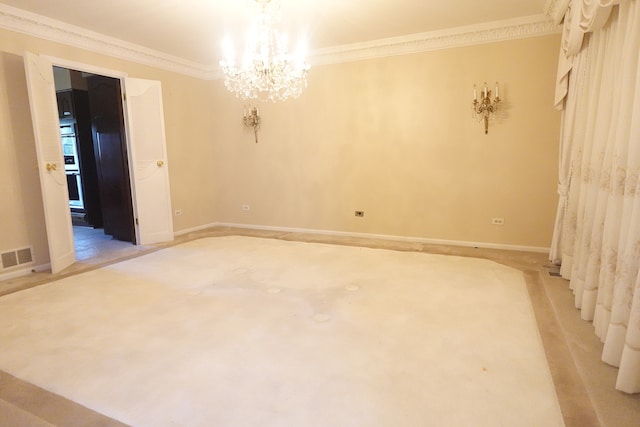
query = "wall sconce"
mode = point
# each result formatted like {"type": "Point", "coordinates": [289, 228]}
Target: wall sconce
{"type": "Point", "coordinates": [252, 120]}
{"type": "Point", "coordinates": [485, 108]}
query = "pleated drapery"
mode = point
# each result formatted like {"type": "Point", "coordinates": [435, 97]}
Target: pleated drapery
{"type": "Point", "coordinates": [597, 233]}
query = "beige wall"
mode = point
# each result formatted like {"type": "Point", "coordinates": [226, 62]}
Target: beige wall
{"type": "Point", "coordinates": [188, 127]}
{"type": "Point", "coordinates": [394, 137]}
{"type": "Point", "coordinates": [390, 136]}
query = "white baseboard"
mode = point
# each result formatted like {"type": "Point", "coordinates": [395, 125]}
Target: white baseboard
{"type": "Point", "coordinates": [23, 271]}
{"type": "Point", "coordinates": [486, 245]}
{"type": "Point", "coordinates": [193, 229]}
{"type": "Point", "coordinates": [15, 273]}
{"type": "Point", "coordinates": [41, 267]}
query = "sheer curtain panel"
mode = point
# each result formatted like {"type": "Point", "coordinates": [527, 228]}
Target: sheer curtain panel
{"type": "Point", "coordinates": [597, 233]}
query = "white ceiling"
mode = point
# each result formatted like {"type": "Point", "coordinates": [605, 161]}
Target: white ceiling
{"type": "Point", "coordinates": [193, 29]}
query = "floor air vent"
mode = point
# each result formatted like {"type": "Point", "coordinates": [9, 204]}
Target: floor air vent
{"type": "Point", "coordinates": [15, 258]}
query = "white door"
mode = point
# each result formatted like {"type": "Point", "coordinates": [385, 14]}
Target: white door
{"type": "Point", "coordinates": [150, 175]}
{"type": "Point", "coordinates": [53, 179]}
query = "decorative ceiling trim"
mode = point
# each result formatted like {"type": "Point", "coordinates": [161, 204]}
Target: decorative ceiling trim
{"type": "Point", "coordinates": [21, 21]}
{"type": "Point", "coordinates": [32, 24]}
{"type": "Point", "coordinates": [531, 26]}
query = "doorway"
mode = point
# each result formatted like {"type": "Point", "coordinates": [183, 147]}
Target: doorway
{"type": "Point", "coordinates": [145, 148]}
{"type": "Point", "coordinates": [96, 163]}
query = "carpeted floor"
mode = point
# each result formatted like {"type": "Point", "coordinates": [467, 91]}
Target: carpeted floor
{"type": "Point", "coordinates": [242, 331]}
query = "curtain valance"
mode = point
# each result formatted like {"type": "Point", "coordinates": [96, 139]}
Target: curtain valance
{"type": "Point", "coordinates": [580, 17]}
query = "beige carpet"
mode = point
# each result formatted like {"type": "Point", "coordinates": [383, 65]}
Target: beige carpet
{"type": "Point", "coordinates": [241, 331]}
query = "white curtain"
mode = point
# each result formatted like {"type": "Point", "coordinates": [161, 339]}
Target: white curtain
{"type": "Point", "coordinates": [597, 235]}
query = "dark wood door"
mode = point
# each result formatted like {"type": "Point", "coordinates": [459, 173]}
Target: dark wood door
{"type": "Point", "coordinates": [88, 168]}
{"type": "Point", "coordinates": [107, 124]}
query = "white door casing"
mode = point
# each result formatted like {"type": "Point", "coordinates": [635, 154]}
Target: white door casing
{"type": "Point", "coordinates": [53, 180]}
{"type": "Point", "coordinates": [149, 171]}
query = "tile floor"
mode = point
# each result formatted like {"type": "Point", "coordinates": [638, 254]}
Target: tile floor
{"type": "Point", "coordinates": [92, 242]}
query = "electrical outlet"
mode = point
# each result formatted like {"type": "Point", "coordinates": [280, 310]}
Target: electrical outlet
{"type": "Point", "coordinates": [360, 213]}
{"type": "Point", "coordinates": [178, 212]}
{"type": "Point", "coordinates": [497, 221]}
{"type": "Point", "coordinates": [246, 207]}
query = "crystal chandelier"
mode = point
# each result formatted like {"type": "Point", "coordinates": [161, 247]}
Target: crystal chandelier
{"type": "Point", "coordinates": [267, 70]}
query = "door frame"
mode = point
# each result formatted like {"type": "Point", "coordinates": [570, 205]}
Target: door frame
{"type": "Point", "coordinates": [120, 75]}
{"type": "Point", "coordinates": [40, 81]}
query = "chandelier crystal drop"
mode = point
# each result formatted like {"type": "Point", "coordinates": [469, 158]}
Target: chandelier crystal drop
{"type": "Point", "coordinates": [267, 70]}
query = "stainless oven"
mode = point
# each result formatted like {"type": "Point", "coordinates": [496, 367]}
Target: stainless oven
{"type": "Point", "coordinates": [72, 165]}
{"type": "Point", "coordinates": [69, 147]}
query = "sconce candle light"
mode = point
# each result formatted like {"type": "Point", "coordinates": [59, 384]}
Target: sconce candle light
{"type": "Point", "coordinates": [485, 108]}
{"type": "Point", "coordinates": [252, 120]}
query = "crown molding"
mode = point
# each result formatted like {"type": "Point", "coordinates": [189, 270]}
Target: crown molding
{"type": "Point", "coordinates": [490, 32]}
{"type": "Point", "coordinates": [32, 24]}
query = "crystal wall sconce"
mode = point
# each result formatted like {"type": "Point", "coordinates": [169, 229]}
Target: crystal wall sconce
{"type": "Point", "coordinates": [485, 108]}
{"type": "Point", "coordinates": [252, 120]}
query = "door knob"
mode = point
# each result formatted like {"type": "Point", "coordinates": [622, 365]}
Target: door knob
{"type": "Point", "coordinates": [160, 163]}
{"type": "Point", "coordinates": [51, 167]}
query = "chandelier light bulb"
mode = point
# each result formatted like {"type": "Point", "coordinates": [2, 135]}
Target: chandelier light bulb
{"type": "Point", "coordinates": [268, 70]}
{"type": "Point", "coordinates": [301, 52]}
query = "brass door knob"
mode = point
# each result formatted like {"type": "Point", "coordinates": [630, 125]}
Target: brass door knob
{"type": "Point", "coordinates": [51, 167]}
{"type": "Point", "coordinates": [160, 163]}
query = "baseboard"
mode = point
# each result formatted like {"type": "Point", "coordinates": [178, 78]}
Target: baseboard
{"type": "Point", "coordinates": [485, 245]}
{"type": "Point", "coordinates": [16, 273]}
{"type": "Point", "coordinates": [194, 229]}
{"type": "Point", "coordinates": [42, 267]}
{"type": "Point", "coordinates": [23, 271]}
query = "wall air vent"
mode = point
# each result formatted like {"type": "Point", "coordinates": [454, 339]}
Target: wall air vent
{"type": "Point", "coordinates": [9, 259]}
{"type": "Point", "coordinates": [15, 258]}
{"type": "Point", "coordinates": [24, 255]}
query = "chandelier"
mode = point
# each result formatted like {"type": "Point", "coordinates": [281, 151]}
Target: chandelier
{"type": "Point", "coordinates": [267, 70]}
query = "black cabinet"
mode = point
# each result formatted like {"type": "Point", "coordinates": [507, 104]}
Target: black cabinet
{"type": "Point", "coordinates": [73, 108]}
{"type": "Point", "coordinates": [65, 104]}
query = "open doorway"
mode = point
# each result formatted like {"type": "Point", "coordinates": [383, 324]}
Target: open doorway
{"type": "Point", "coordinates": [145, 148]}
{"type": "Point", "coordinates": [95, 161]}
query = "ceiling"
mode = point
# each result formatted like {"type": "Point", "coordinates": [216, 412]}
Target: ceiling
{"type": "Point", "coordinates": [193, 29]}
